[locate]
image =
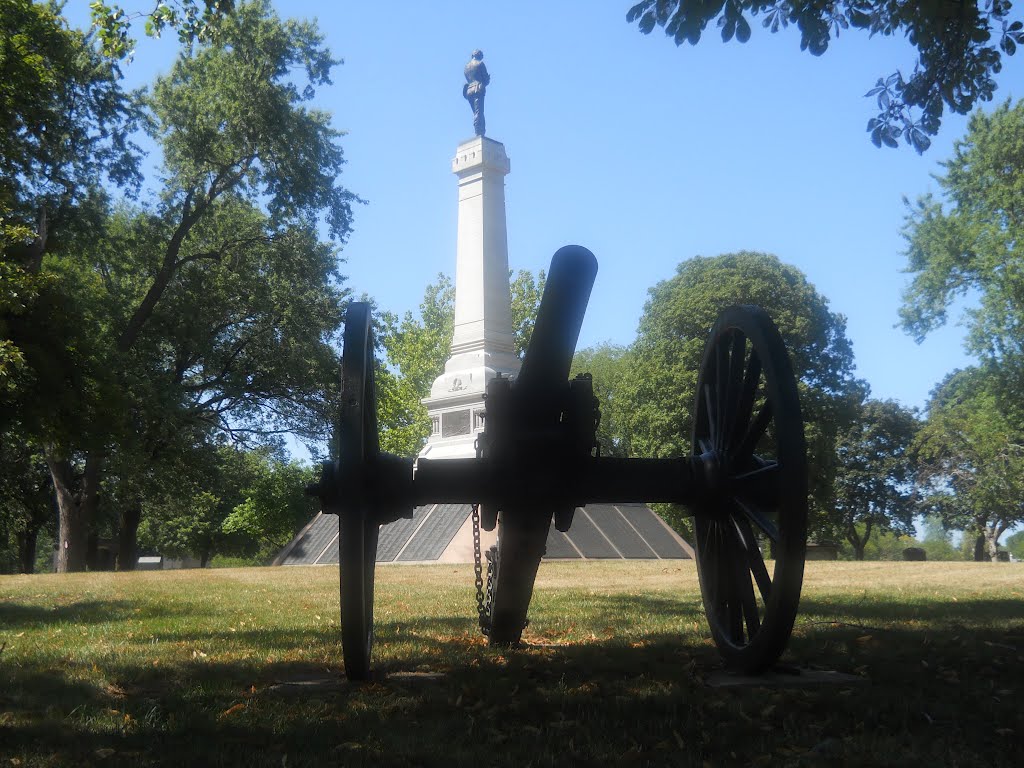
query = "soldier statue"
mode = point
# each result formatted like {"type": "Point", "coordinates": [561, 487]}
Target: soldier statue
{"type": "Point", "coordinates": [477, 81]}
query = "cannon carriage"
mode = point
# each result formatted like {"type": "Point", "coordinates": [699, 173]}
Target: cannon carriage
{"type": "Point", "coordinates": [745, 482]}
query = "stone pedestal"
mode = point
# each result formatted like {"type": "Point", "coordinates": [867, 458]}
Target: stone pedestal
{"type": "Point", "coordinates": [483, 342]}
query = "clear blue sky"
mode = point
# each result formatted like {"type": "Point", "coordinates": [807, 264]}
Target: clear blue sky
{"type": "Point", "coordinates": [646, 153]}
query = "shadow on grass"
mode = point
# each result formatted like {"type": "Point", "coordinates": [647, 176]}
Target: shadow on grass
{"type": "Point", "coordinates": [606, 701]}
{"type": "Point", "coordinates": [16, 616]}
{"type": "Point", "coordinates": [894, 609]}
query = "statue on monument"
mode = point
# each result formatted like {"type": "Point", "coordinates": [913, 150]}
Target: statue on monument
{"type": "Point", "coordinates": [473, 91]}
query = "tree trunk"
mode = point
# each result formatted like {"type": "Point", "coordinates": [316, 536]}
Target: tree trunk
{"type": "Point", "coordinates": [75, 511]}
{"type": "Point", "coordinates": [979, 548]}
{"type": "Point", "coordinates": [992, 543]}
{"type": "Point", "coordinates": [204, 558]}
{"type": "Point", "coordinates": [858, 542]}
{"type": "Point", "coordinates": [127, 537]}
{"type": "Point", "coordinates": [92, 550]}
{"type": "Point", "coordinates": [27, 548]}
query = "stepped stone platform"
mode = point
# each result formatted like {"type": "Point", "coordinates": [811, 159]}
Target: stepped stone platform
{"type": "Point", "coordinates": [442, 533]}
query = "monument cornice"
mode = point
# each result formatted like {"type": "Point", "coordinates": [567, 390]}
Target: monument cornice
{"type": "Point", "coordinates": [480, 154]}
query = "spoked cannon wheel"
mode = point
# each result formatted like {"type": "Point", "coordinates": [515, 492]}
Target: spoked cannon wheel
{"type": "Point", "coordinates": [748, 430]}
{"type": "Point", "coordinates": [358, 450]}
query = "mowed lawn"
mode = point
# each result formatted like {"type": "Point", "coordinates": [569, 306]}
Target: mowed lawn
{"type": "Point", "coordinates": [242, 667]}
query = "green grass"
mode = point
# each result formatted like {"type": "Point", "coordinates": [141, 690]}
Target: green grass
{"type": "Point", "coordinates": [180, 668]}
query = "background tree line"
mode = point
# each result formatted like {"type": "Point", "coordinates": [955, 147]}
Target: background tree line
{"type": "Point", "coordinates": [157, 345]}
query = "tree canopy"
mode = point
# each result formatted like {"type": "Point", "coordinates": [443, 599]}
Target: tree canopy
{"type": "Point", "coordinates": [660, 387]}
{"type": "Point", "coordinates": [874, 473]}
{"type": "Point", "coordinates": [965, 244]}
{"type": "Point", "coordinates": [970, 459]}
{"type": "Point", "coordinates": [960, 48]}
{"type": "Point", "coordinates": [211, 310]}
{"type": "Point", "coordinates": [192, 20]}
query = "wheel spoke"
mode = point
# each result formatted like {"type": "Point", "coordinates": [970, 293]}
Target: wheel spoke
{"type": "Point", "coordinates": [743, 591]}
{"type": "Point", "coordinates": [754, 432]}
{"type": "Point", "coordinates": [735, 385]}
{"type": "Point", "coordinates": [730, 589]}
{"type": "Point", "coordinates": [758, 518]}
{"type": "Point", "coordinates": [721, 385]}
{"type": "Point", "coordinates": [748, 392]}
{"type": "Point", "coordinates": [711, 555]}
{"type": "Point", "coordinates": [712, 416]}
{"type": "Point", "coordinates": [754, 560]}
{"type": "Point", "coordinates": [761, 483]}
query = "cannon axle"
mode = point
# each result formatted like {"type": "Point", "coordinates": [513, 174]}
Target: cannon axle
{"type": "Point", "coordinates": [397, 484]}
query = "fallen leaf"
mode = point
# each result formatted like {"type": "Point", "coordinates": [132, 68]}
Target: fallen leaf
{"type": "Point", "coordinates": [990, 645]}
{"type": "Point", "coordinates": [231, 710]}
{"type": "Point", "coordinates": [104, 753]}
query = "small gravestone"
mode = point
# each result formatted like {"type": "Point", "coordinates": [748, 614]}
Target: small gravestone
{"type": "Point", "coordinates": [822, 551]}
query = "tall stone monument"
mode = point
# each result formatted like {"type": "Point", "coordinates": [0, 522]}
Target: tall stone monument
{"type": "Point", "coordinates": [482, 343]}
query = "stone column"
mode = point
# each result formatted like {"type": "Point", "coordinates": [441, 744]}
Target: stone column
{"type": "Point", "coordinates": [483, 342]}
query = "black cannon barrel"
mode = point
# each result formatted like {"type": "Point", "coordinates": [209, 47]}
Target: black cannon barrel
{"type": "Point", "coordinates": [584, 481]}
{"type": "Point", "coordinates": [559, 319]}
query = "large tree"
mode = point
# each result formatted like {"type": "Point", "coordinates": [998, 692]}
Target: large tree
{"type": "Point", "coordinates": [965, 244]}
{"type": "Point", "coordinates": [874, 474]}
{"type": "Point", "coordinates": [960, 48]}
{"type": "Point", "coordinates": [971, 460]}
{"type": "Point", "coordinates": [660, 388]}
{"type": "Point", "coordinates": [217, 303]}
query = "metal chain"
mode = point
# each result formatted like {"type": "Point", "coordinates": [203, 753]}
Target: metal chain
{"type": "Point", "coordinates": [492, 567]}
{"type": "Point", "coordinates": [478, 575]}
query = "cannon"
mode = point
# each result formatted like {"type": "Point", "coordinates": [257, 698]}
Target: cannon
{"type": "Point", "coordinates": [745, 482]}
